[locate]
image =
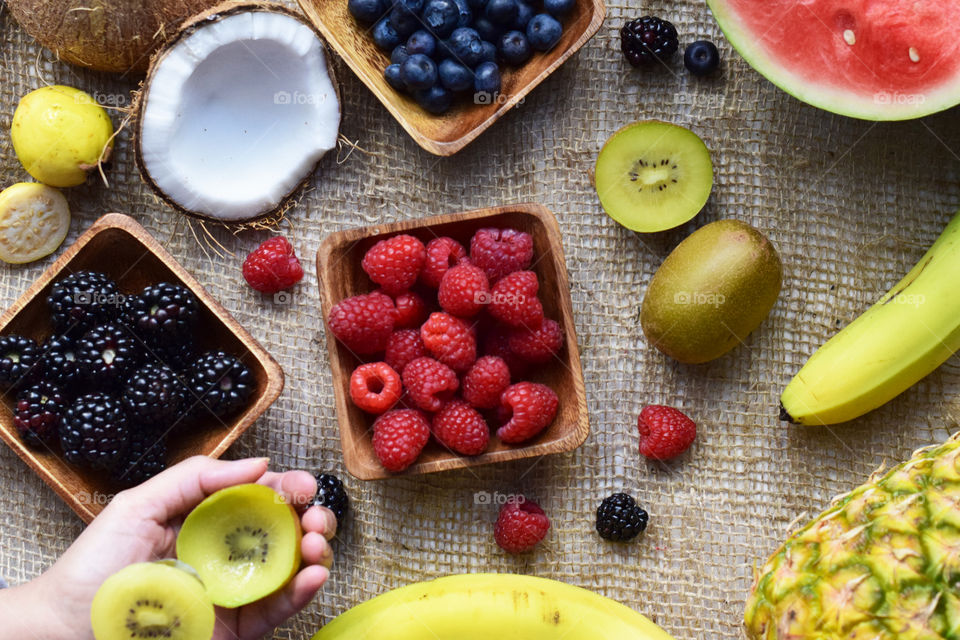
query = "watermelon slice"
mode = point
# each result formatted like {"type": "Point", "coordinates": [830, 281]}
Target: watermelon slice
{"type": "Point", "coordinates": [870, 59]}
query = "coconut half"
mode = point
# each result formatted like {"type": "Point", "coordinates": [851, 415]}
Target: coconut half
{"type": "Point", "coordinates": [235, 112]}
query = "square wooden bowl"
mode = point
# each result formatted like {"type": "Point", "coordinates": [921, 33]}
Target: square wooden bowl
{"type": "Point", "coordinates": [121, 248]}
{"type": "Point", "coordinates": [446, 134]}
{"type": "Point", "coordinates": [341, 276]}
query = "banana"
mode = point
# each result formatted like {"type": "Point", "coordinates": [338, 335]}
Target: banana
{"type": "Point", "coordinates": [484, 606]}
{"type": "Point", "coordinates": [908, 333]}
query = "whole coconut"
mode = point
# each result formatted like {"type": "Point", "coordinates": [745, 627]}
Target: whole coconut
{"type": "Point", "coordinates": [107, 35]}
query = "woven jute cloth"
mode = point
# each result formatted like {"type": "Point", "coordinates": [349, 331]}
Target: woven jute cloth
{"type": "Point", "coordinates": [850, 205]}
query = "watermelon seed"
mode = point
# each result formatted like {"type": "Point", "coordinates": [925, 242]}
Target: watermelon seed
{"type": "Point", "coordinates": [850, 37]}
{"type": "Point", "coordinates": [914, 55]}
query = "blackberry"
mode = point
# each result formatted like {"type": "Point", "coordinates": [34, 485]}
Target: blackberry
{"type": "Point", "coordinates": [145, 457]}
{"type": "Point", "coordinates": [38, 412]}
{"type": "Point", "coordinates": [107, 354]}
{"type": "Point", "coordinates": [154, 396]}
{"type": "Point", "coordinates": [58, 362]}
{"type": "Point", "coordinates": [162, 313]}
{"type": "Point", "coordinates": [648, 40]}
{"type": "Point", "coordinates": [218, 383]}
{"type": "Point", "coordinates": [93, 432]}
{"type": "Point", "coordinates": [18, 357]}
{"type": "Point", "coordinates": [83, 300]}
{"type": "Point", "coordinates": [332, 495]}
{"type": "Point", "coordinates": [176, 354]}
{"type": "Point", "coordinates": [619, 518]}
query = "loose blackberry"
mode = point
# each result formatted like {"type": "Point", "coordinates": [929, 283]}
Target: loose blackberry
{"type": "Point", "coordinates": [107, 354]}
{"type": "Point", "coordinates": [38, 414]}
{"type": "Point", "coordinates": [162, 313]}
{"type": "Point", "coordinates": [93, 432]}
{"type": "Point", "coordinates": [332, 495]}
{"type": "Point", "coordinates": [144, 458]}
{"type": "Point", "coordinates": [83, 300]}
{"type": "Point", "coordinates": [154, 396]}
{"type": "Point", "coordinates": [619, 518]}
{"type": "Point", "coordinates": [647, 40]}
{"type": "Point", "coordinates": [218, 383]}
{"type": "Point", "coordinates": [18, 357]}
{"type": "Point", "coordinates": [58, 362]}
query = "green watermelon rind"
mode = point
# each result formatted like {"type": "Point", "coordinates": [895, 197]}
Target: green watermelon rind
{"type": "Point", "coordinates": [879, 106]}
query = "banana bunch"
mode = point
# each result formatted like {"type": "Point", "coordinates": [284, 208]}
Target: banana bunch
{"type": "Point", "coordinates": [908, 333]}
{"type": "Point", "coordinates": [485, 606]}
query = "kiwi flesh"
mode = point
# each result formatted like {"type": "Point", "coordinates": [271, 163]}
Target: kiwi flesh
{"type": "Point", "coordinates": [152, 600]}
{"type": "Point", "coordinates": [244, 542]}
{"type": "Point", "coordinates": [653, 176]}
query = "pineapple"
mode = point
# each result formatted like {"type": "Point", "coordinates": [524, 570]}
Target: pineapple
{"type": "Point", "coordinates": [883, 563]}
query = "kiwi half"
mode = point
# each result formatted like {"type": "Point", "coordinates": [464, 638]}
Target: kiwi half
{"type": "Point", "coordinates": [152, 600]}
{"type": "Point", "coordinates": [653, 176]}
{"type": "Point", "coordinates": [244, 543]}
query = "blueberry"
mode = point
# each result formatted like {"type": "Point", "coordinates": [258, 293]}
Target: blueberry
{"type": "Point", "coordinates": [421, 42]}
{"type": "Point", "coordinates": [392, 76]}
{"type": "Point", "coordinates": [465, 14]}
{"type": "Point", "coordinates": [544, 32]}
{"type": "Point", "coordinates": [418, 72]}
{"type": "Point", "coordinates": [501, 11]}
{"type": "Point", "coordinates": [399, 54]}
{"type": "Point", "coordinates": [487, 30]}
{"type": "Point", "coordinates": [477, 5]}
{"type": "Point", "coordinates": [403, 21]}
{"type": "Point", "coordinates": [385, 36]}
{"type": "Point", "coordinates": [701, 58]}
{"type": "Point", "coordinates": [524, 13]}
{"type": "Point", "coordinates": [454, 76]}
{"type": "Point", "coordinates": [443, 50]}
{"type": "Point", "coordinates": [441, 17]}
{"type": "Point", "coordinates": [465, 46]}
{"type": "Point", "coordinates": [514, 48]}
{"type": "Point", "coordinates": [366, 11]}
{"type": "Point", "coordinates": [436, 99]}
{"type": "Point", "coordinates": [558, 8]}
{"type": "Point", "coordinates": [489, 52]}
{"type": "Point", "coordinates": [486, 78]}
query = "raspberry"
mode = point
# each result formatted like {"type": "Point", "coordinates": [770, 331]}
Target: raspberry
{"type": "Point", "coordinates": [513, 300]}
{"type": "Point", "coordinates": [375, 387]}
{"type": "Point", "coordinates": [460, 428]}
{"type": "Point", "coordinates": [530, 408]}
{"type": "Point", "coordinates": [398, 438]}
{"type": "Point", "coordinates": [487, 379]}
{"type": "Point", "coordinates": [521, 526]}
{"type": "Point", "coordinates": [395, 263]}
{"type": "Point", "coordinates": [537, 346]}
{"type": "Point", "coordinates": [665, 432]}
{"type": "Point", "coordinates": [273, 266]}
{"type": "Point", "coordinates": [501, 251]}
{"type": "Point", "coordinates": [411, 310]}
{"type": "Point", "coordinates": [404, 347]}
{"type": "Point", "coordinates": [464, 290]}
{"type": "Point", "coordinates": [497, 343]}
{"type": "Point", "coordinates": [450, 340]}
{"type": "Point", "coordinates": [442, 253]}
{"type": "Point", "coordinates": [429, 383]}
{"type": "Point", "coordinates": [363, 323]}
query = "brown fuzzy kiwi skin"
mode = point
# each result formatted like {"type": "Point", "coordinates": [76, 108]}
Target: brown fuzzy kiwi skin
{"type": "Point", "coordinates": [200, 20]}
{"type": "Point", "coordinates": [105, 35]}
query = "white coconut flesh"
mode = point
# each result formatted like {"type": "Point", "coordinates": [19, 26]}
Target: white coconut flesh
{"type": "Point", "coordinates": [236, 114]}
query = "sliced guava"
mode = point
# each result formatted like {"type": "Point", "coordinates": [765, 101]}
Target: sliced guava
{"type": "Point", "coordinates": [34, 220]}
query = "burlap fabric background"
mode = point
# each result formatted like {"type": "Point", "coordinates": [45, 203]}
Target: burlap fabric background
{"type": "Point", "coordinates": [851, 205]}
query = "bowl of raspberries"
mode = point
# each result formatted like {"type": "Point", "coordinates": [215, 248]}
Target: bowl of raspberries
{"type": "Point", "coordinates": [116, 363]}
{"type": "Point", "coordinates": [452, 342]}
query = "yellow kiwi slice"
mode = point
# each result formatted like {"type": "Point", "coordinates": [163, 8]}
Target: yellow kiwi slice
{"type": "Point", "coordinates": [152, 600]}
{"type": "Point", "coordinates": [244, 543]}
{"type": "Point", "coordinates": [34, 220]}
{"type": "Point", "coordinates": [653, 176]}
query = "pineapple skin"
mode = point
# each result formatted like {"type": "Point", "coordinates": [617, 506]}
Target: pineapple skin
{"type": "Point", "coordinates": [882, 563]}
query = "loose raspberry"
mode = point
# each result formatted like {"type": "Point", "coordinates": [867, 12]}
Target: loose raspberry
{"type": "Point", "coordinates": [399, 437]}
{"type": "Point", "coordinates": [430, 384]}
{"type": "Point", "coordinates": [363, 323]}
{"type": "Point", "coordinates": [464, 290]}
{"type": "Point", "coordinates": [460, 428]}
{"type": "Point", "coordinates": [404, 347]}
{"type": "Point", "coordinates": [501, 251]}
{"type": "Point", "coordinates": [496, 342]}
{"type": "Point", "coordinates": [375, 387]}
{"type": "Point", "coordinates": [521, 526]}
{"type": "Point", "coordinates": [395, 263]}
{"type": "Point", "coordinates": [513, 300]}
{"type": "Point", "coordinates": [487, 379]}
{"type": "Point", "coordinates": [273, 266]}
{"type": "Point", "coordinates": [530, 407]}
{"type": "Point", "coordinates": [442, 253]}
{"type": "Point", "coordinates": [537, 346]}
{"type": "Point", "coordinates": [411, 310]}
{"type": "Point", "coordinates": [450, 340]}
{"type": "Point", "coordinates": [665, 432]}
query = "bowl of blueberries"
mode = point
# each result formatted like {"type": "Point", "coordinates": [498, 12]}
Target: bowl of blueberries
{"type": "Point", "coordinates": [448, 69]}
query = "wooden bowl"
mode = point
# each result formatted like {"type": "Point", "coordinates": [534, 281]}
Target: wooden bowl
{"type": "Point", "coordinates": [445, 135]}
{"type": "Point", "coordinates": [121, 248]}
{"type": "Point", "coordinates": [341, 276]}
